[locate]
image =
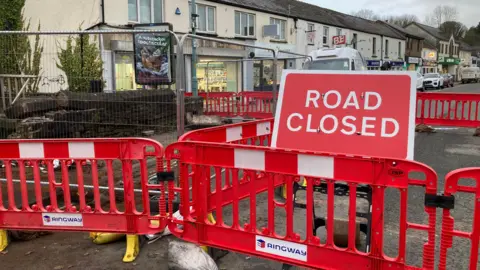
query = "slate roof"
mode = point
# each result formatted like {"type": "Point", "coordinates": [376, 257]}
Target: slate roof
{"type": "Point", "coordinates": [432, 31]}
{"type": "Point", "coordinates": [401, 30]}
{"type": "Point", "coordinates": [428, 45]}
{"type": "Point", "coordinates": [465, 47]}
{"type": "Point", "coordinates": [305, 11]}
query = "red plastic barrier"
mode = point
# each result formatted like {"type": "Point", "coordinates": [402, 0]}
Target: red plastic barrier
{"type": "Point", "coordinates": [74, 212]}
{"type": "Point", "coordinates": [256, 104]}
{"type": "Point", "coordinates": [246, 104]}
{"type": "Point", "coordinates": [247, 171]}
{"type": "Point", "coordinates": [448, 109]}
{"type": "Point", "coordinates": [257, 132]}
{"type": "Point", "coordinates": [452, 187]}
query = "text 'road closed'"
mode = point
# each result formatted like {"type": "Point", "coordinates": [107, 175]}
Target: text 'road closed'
{"type": "Point", "coordinates": [348, 124]}
{"type": "Point", "coordinates": [365, 114]}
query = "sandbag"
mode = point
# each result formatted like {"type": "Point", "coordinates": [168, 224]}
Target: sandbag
{"type": "Point", "coordinates": [188, 256]}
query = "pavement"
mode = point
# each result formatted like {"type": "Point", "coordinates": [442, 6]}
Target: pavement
{"type": "Point", "coordinates": [446, 150]}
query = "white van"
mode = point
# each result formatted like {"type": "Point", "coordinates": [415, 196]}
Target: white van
{"type": "Point", "coordinates": [335, 59]}
{"type": "Point", "coordinates": [470, 74]}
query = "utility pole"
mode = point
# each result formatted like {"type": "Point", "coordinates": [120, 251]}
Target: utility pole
{"type": "Point", "coordinates": [194, 16]}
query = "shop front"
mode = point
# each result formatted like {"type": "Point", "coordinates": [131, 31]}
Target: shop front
{"type": "Point", "coordinates": [397, 65]}
{"type": "Point", "coordinates": [218, 74]}
{"type": "Point", "coordinates": [429, 61]}
{"type": "Point", "coordinates": [373, 64]}
{"type": "Point", "coordinates": [260, 77]}
{"type": "Point", "coordinates": [413, 63]}
{"type": "Point", "coordinates": [449, 65]}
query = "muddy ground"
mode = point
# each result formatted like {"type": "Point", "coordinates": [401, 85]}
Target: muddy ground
{"type": "Point", "coordinates": [444, 151]}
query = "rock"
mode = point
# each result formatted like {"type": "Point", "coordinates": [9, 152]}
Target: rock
{"type": "Point", "coordinates": [422, 128]}
{"type": "Point", "coordinates": [477, 132]}
{"type": "Point", "coordinates": [188, 256]}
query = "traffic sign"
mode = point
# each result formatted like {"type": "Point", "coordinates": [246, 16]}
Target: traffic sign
{"type": "Point", "coordinates": [357, 113]}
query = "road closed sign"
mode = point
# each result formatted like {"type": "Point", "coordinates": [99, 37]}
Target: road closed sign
{"type": "Point", "coordinates": [355, 113]}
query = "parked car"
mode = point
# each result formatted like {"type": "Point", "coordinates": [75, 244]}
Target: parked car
{"type": "Point", "coordinates": [420, 82]}
{"type": "Point", "coordinates": [433, 80]}
{"type": "Point", "coordinates": [470, 74]}
{"type": "Point", "coordinates": [447, 80]}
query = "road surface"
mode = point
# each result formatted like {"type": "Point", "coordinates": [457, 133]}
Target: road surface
{"type": "Point", "coordinates": [473, 88]}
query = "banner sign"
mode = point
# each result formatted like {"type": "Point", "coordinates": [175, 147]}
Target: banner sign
{"type": "Point", "coordinates": [153, 58]}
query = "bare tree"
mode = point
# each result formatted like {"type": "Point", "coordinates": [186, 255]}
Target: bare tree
{"type": "Point", "coordinates": [458, 30]}
{"type": "Point", "coordinates": [401, 20]}
{"type": "Point", "coordinates": [366, 14]}
{"type": "Point", "coordinates": [441, 14]}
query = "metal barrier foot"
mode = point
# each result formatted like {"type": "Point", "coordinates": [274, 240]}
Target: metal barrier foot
{"type": "Point", "coordinates": [133, 248]}
{"type": "Point", "coordinates": [3, 240]}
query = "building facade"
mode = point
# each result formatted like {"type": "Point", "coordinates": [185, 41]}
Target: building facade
{"type": "Point", "coordinates": [298, 27]}
{"type": "Point", "coordinates": [429, 58]}
{"type": "Point", "coordinates": [413, 46]}
{"type": "Point", "coordinates": [448, 49]}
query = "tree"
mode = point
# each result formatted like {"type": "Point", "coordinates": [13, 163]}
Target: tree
{"type": "Point", "coordinates": [17, 56]}
{"type": "Point", "coordinates": [472, 36]}
{"type": "Point", "coordinates": [81, 61]}
{"type": "Point", "coordinates": [441, 14]}
{"type": "Point", "coordinates": [456, 29]}
{"type": "Point", "coordinates": [401, 20]}
{"type": "Point", "coordinates": [366, 14]}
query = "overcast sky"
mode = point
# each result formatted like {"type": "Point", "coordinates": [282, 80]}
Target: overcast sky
{"type": "Point", "coordinates": [469, 10]}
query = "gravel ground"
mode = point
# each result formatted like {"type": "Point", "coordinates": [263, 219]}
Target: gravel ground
{"type": "Point", "coordinates": [444, 151]}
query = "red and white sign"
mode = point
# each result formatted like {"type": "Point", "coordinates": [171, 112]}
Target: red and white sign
{"type": "Point", "coordinates": [355, 113]}
{"type": "Point", "coordinates": [339, 40]}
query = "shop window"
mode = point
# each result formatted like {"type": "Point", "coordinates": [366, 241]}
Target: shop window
{"type": "Point", "coordinates": [216, 75]}
{"type": "Point", "coordinates": [263, 74]}
{"type": "Point", "coordinates": [205, 19]}
{"type": "Point", "coordinates": [282, 24]}
{"type": "Point", "coordinates": [244, 24]}
{"type": "Point", "coordinates": [145, 11]}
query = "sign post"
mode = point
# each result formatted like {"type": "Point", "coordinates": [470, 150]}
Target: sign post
{"type": "Point", "coordinates": [356, 113]}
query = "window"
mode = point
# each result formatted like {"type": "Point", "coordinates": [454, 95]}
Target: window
{"type": "Point", "coordinates": [400, 49]}
{"type": "Point", "coordinates": [374, 46]}
{"type": "Point", "coordinates": [325, 35]}
{"type": "Point", "coordinates": [354, 41]}
{"type": "Point", "coordinates": [339, 32]}
{"type": "Point", "coordinates": [244, 24]}
{"type": "Point", "coordinates": [386, 48]}
{"type": "Point", "coordinates": [311, 34]}
{"type": "Point", "coordinates": [419, 44]}
{"type": "Point", "coordinates": [282, 24]}
{"type": "Point", "coordinates": [205, 19]}
{"type": "Point", "coordinates": [145, 11]}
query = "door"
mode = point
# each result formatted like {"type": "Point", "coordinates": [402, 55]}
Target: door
{"type": "Point", "coordinates": [124, 72]}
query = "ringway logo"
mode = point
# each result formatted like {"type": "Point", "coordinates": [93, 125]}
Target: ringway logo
{"type": "Point", "coordinates": [57, 219]}
{"type": "Point", "coordinates": [281, 248]}
{"type": "Point", "coordinates": [261, 243]}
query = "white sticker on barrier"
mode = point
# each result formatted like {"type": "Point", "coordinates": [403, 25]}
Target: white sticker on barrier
{"type": "Point", "coordinates": [57, 219]}
{"type": "Point", "coordinates": [281, 248]}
